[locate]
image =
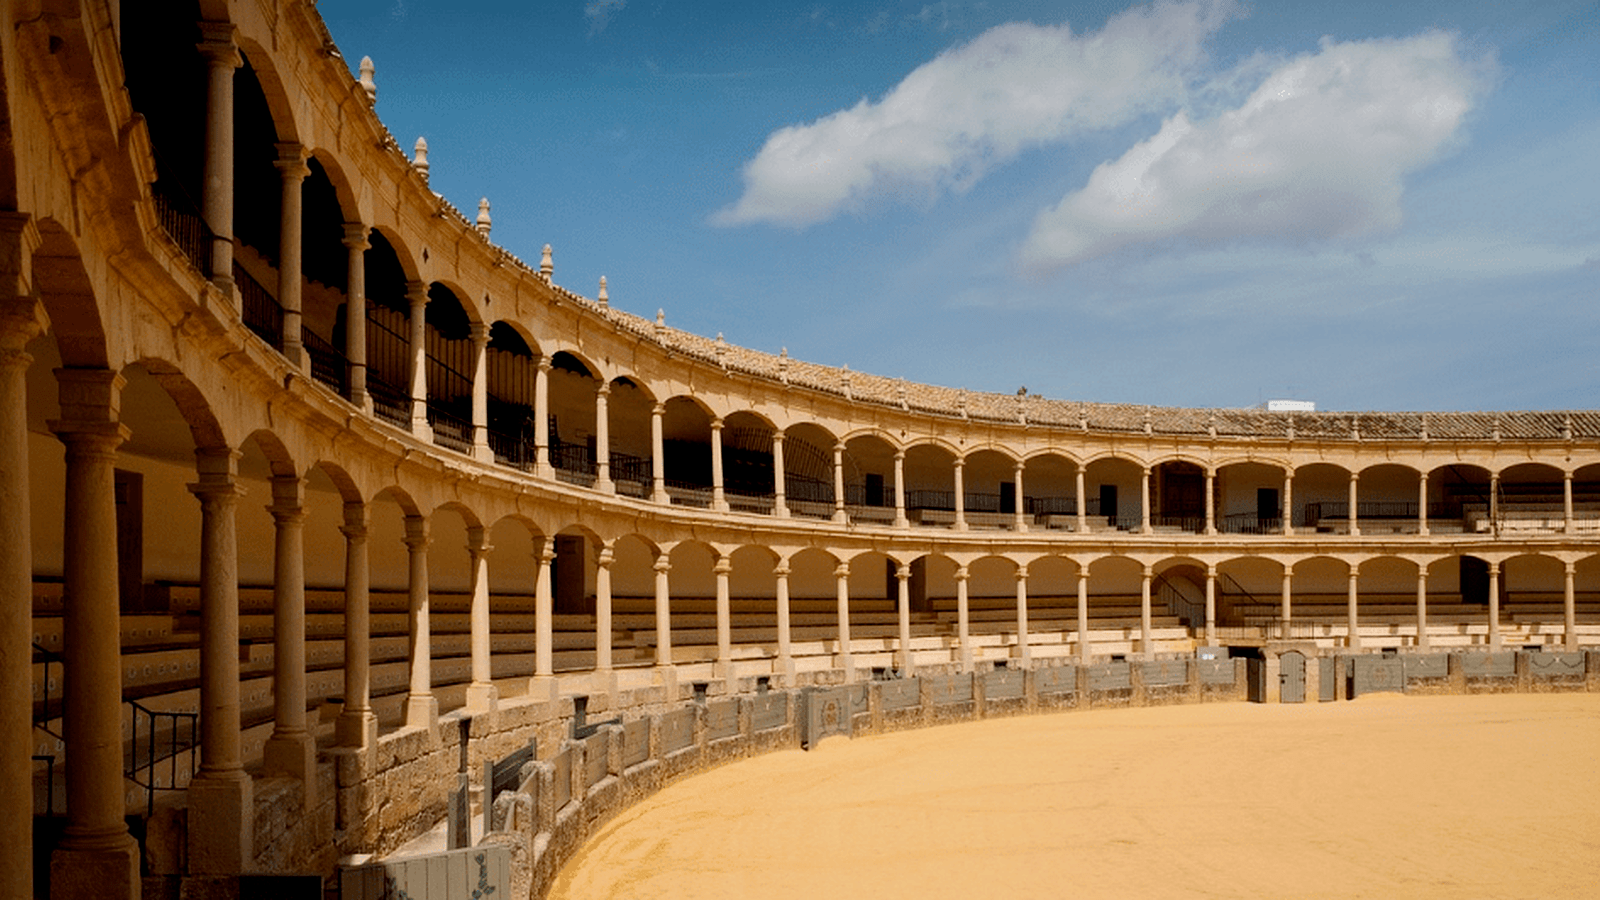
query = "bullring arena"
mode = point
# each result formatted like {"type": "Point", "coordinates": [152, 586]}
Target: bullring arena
{"type": "Point", "coordinates": [382, 562]}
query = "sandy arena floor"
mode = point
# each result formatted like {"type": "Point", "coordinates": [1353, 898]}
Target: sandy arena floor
{"type": "Point", "coordinates": [1387, 796]}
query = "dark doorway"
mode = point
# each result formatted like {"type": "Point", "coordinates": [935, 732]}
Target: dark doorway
{"type": "Point", "coordinates": [129, 488]}
{"type": "Point", "coordinates": [1108, 502]}
{"type": "Point", "coordinates": [1008, 498]}
{"type": "Point", "coordinates": [1183, 491]}
{"type": "Point", "coordinates": [1267, 505]}
{"type": "Point", "coordinates": [874, 490]}
{"type": "Point", "coordinates": [567, 575]}
{"type": "Point", "coordinates": [1474, 581]}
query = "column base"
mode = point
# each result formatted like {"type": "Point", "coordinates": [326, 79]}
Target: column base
{"type": "Point", "coordinates": [544, 688]}
{"type": "Point", "coordinates": [667, 677]}
{"type": "Point", "coordinates": [605, 486]}
{"type": "Point", "coordinates": [841, 518]}
{"type": "Point", "coordinates": [101, 873]}
{"type": "Point", "coordinates": [482, 453]}
{"type": "Point", "coordinates": [780, 511]}
{"type": "Point", "coordinates": [421, 430]}
{"type": "Point", "coordinates": [422, 711]}
{"type": "Point", "coordinates": [221, 824]}
{"type": "Point", "coordinates": [356, 729]}
{"type": "Point", "coordinates": [482, 696]}
{"type": "Point", "coordinates": [295, 756]}
{"type": "Point", "coordinates": [902, 523]}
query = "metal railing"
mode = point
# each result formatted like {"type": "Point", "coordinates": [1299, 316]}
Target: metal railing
{"type": "Point", "coordinates": [688, 493]}
{"type": "Point", "coordinates": [389, 403]}
{"type": "Point", "coordinates": [180, 219]}
{"type": "Point", "coordinates": [262, 314]}
{"type": "Point", "coordinates": [328, 364]}
{"type": "Point", "coordinates": [170, 725]}
{"type": "Point", "coordinates": [1319, 510]}
{"type": "Point", "coordinates": [449, 429]}
{"type": "Point", "coordinates": [1249, 523]}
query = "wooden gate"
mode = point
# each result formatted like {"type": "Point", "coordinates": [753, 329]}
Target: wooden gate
{"type": "Point", "coordinates": [1292, 677]}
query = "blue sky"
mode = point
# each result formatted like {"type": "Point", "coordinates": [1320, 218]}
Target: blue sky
{"type": "Point", "coordinates": [1367, 205]}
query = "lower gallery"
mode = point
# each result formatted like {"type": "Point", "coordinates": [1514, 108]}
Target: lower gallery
{"type": "Point", "coordinates": [309, 551]}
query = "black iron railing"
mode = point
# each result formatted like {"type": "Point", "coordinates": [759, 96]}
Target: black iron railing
{"type": "Point", "coordinates": [1378, 509]}
{"type": "Point", "coordinates": [262, 314]}
{"type": "Point", "coordinates": [180, 219]}
{"type": "Point", "coordinates": [389, 403]}
{"type": "Point", "coordinates": [166, 736]}
{"type": "Point", "coordinates": [328, 364]}
{"type": "Point", "coordinates": [449, 429]}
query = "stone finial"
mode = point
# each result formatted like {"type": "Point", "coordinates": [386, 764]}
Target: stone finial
{"type": "Point", "coordinates": [1424, 427]}
{"type": "Point", "coordinates": [722, 351]}
{"type": "Point", "coordinates": [961, 403]}
{"type": "Point", "coordinates": [1022, 407]}
{"type": "Point", "coordinates": [420, 160]}
{"type": "Point", "coordinates": [1355, 428]}
{"type": "Point", "coordinates": [661, 323]}
{"type": "Point", "coordinates": [844, 380]}
{"type": "Point", "coordinates": [547, 266]}
{"type": "Point", "coordinates": [1566, 427]}
{"type": "Point", "coordinates": [900, 395]}
{"type": "Point", "coordinates": [603, 298]}
{"type": "Point", "coordinates": [1291, 426]}
{"type": "Point", "coordinates": [483, 217]}
{"type": "Point", "coordinates": [1497, 428]}
{"type": "Point", "coordinates": [783, 365]}
{"type": "Point", "coordinates": [367, 84]}
{"type": "Point", "coordinates": [1149, 428]}
{"type": "Point", "coordinates": [1083, 418]}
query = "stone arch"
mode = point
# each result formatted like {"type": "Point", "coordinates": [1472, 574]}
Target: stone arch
{"type": "Point", "coordinates": [808, 470]}
{"type": "Point", "coordinates": [1049, 481]}
{"type": "Point", "coordinates": [63, 287]}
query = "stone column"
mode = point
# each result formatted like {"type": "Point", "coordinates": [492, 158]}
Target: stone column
{"type": "Point", "coordinates": [602, 608]}
{"type": "Point", "coordinates": [292, 170]}
{"type": "Point", "coordinates": [961, 494]}
{"type": "Point", "coordinates": [1566, 503]}
{"type": "Point", "coordinates": [357, 725]}
{"type": "Point", "coordinates": [1494, 501]}
{"type": "Point", "coordinates": [721, 569]}
{"type": "Point", "coordinates": [1083, 613]}
{"type": "Point", "coordinates": [1570, 609]}
{"type": "Point", "coordinates": [663, 613]}
{"type": "Point", "coordinates": [1021, 510]}
{"type": "Point", "coordinates": [839, 514]}
{"type": "Point", "coordinates": [1284, 616]}
{"type": "Point", "coordinates": [658, 462]}
{"type": "Point", "coordinates": [1024, 651]}
{"type": "Point", "coordinates": [1353, 641]}
{"type": "Point", "coordinates": [481, 693]}
{"type": "Point", "coordinates": [1288, 503]}
{"type": "Point", "coordinates": [780, 503]}
{"type": "Point", "coordinates": [479, 334]}
{"type": "Point", "coordinates": [719, 501]}
{"type": "Point", "coordinates": [1081, 502]}
{"type": "Point", "coordinates": [21, 318]}
{"type": "Point", "coordinates": [544, 612]}
{"type": "Point", "coordinates": [785, 663]}
{"type": "Point", "coordinates": [1355, 523]}
{"type": "Point", "coordinates": [1494, 605]}
{"type": "Point", "coordinates": [1422, 606]}
{"type": "Point", "coordinates": [355, 313]}
{"type": "Point", "coordinates": [1144, 501]}
{"type": "Point", "coordinates": [291, 750]}
{"type": "Point", "coordinates": [1211, 605]}
{"type": "Point", "coordinates": [900, 520]}
{"type": "Point", "coordinates": [1211, 501]}
{"type": "Point", "coordinates": [417, 297]}
{"type": "Point", "coordinates": [96, 856]}
{"type": "Point", "coordinates": [541, 420]}
{"type": "Point", "coordinates": [963, 622]}
{"type": "Point", "coordinates": [902, 574]}
{"type": "Point", "coordinates": [221, 812]}
{"type": "Point", "coordinates": [1146, 576]}
{"type": "Point", "coordinates": [1422, 504]}
{"type": "Point", "coordinates": [841, 576]}
{"type": "Point", "coordinates": [422, 708]}
{"type": "Point", "coordinates": [602, 439]}
{"type": "Point", "coordinates": [221, 54]}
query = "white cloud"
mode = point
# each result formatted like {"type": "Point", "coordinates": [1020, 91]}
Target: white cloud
{"type": "Point", "coordinates": [600, 13]}
{"type": "Point", "coordinates": [976, 105]}
{"type": "Point", "coordinates": [1317, 153]}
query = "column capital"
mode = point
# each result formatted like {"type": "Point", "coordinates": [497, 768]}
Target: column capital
{"type": "Point", "coordinates": [90, 438]}
{"type": "Point", "coordinates": [1211, 570]}
{"type": "Point", "coordinates": [961, 573]}
{"type": "Point", "coordinates": [716, 423]}
{"type": "Point", "coordinates": [902, 572]}
{"type": "Point", "coordinates": [958, 462]}
{"type": "Point", "coordinates": [899, 454]}
{"type": "Point", "coordinates": [478, 540]}
{"type": "Point", "coordinates": [1570, 567]}
{"type": "Point", "coordinates": [417, 536]}
{"type": "Point", "coordinates": [288, 500]}
{"type": "Point", "coordinates": [777, 436]}
{"type": "Point", "coordinates": [21, 320]}
{"type": "Point", "coordinates": [1020, 465]}
{"type": "Point", "coordinates": [547, 554]}
{"type": "Point", "coordinates": [355, 520]}
{"type": "Point", "coordinates": [663, 564]}
{"type": "Point", "coordinates": [722, 566]}
{"type": "Point", "coordinates": [1422, 572]}
{"type": "Point", "coordinates": [544, 365]}
{"type": "Point", "coordinates": [1494, 567]}
{"type": "Point", "coordinates": [417, 293]}
{"type": "Point", "coordinates": [603, 389]}
{"type": "Point", "coordinates": [219, 44]}
{"type": "Point", "coordinates": [842, 570]}
{"type": "Point", "coordinates": [839, 447]}
{"type": "Point", "coordinates": [1422, 477]}
{"type": "Point", "coordinates": [89, 395]}
{"type": "Point", "coordinates": [1022, 573]}
{"type": "Point", "coordinates": [291, 161]}
{"type": "Point", "coordinates": [355, 236]}
{"type": "Point", "coordinates": [605, 557]}
{"type": "Point", "coordinates": [781, 570]}
{"type": "Point", "coordinates": [1148, 571]}
{"type": "Point", "coordinates": [660, 409]}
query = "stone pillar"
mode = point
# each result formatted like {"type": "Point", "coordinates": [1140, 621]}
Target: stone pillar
{"type": "Point", "coordinates": [1355, 523]}
{"type": "Point", "coordinates": [291, 750]}
{"type": "Point", "coordinates": [1494, 501]}
{"type": "Point", "coordinates": [719, 500]}
{"type": "Point", "coordinates": [1288, 503]}
{"type": "Point", "coordinates": [479, 334]}
{"type": "Point", "coordinates": [292, 170]}
{"type": "Point", "coordinates": [1211, 501]}
{"type": "Point", "coordinates": [96, 857]}
{"type": "Point", "coordinates": [902, 574]}
{"type": "Point", "coordinates": [541, 420]}
{"type": "Point", "coordinates": [785, 663]}
{"type": "Point", "coordinates": [839, 515]}
{"type": "Point", "coordinates": [417, 297]}
{"type": "Point", "coordinates": [422, 708]}
{"type": "Point", "coordinates": [1284, 624]}
{"type": "Point", "coordinates": [602, 608]}
{"type": "Point", "coordinates": [1353, 641]}
{"type": "Point", "coordinates": [841, 577]}
{"type": "Point", "coordinates": [1211, 605]}
{"type": "Point", "coordinates": [1570, 609]}
{"type": "Point", "coordinates": [1144, 501]}
{"type": "Point", "coordinates": [900, 520]}
{"type": "Point", "coordinates": [1081, 502]}
{"type": "Point", "coordinates": [544, 613]}
{"type": "Point", "coordinates": [602, 439]}
{"type": "Point", "coordinates": [21, 318]}
{"type": "Point", "coordinates": [1566, 503]}
{"type": "Point", "coordinates": [721, 569]}
{"type": "Point", "coordinates": [221, 54]}
{"type": "Point", "coordinates": [357, 725]}
{"type": "Point", "coordinates": [658, 462]}
{"type": "Point", "coordinates": [1422, 504]}
{"type": "Point", "coordinates": [1024, 651]}
{"type": "Point", "coordinates": [780, 503]}
{"type": "Point", "coordinates": [663, 613]}
{"type": "Point", "coordinates": [1494, 605]}
{"type": "Point", "coordinates": [481, 693]}
{"type": "Point", "coordinates": [961, 494]}
{"type": "Point", "coordinates": [1422, 606]}
{"type": "Point", "coordinates": [355, 313]}
{"type": "Point", "coordinates": [221, 812]}
{"type": "Point", "coordinates": [963, 623]}
{"type": "Point", "coordinates": [1022, 504]}
{"type": "Point", "coordinates": [1145, 578]}
{"type": "Point", "coordinates": [1083, 615]}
